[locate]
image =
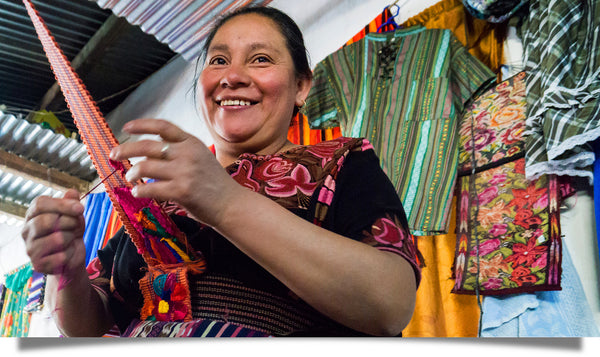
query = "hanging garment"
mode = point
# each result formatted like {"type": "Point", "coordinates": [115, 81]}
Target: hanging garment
{"type": "Point", "coordinates": [157, 238]}
{"type": "Point", "coordinates": [14, 322]}
{"type": "Point", "coordinates": [562, 53]}
{"type": "Point", "coordinates": [494, 10]}
{"type": "Point", "coordinates": [438, 312]}
{"type": "Point", "coordinates": [97, 213]}
{"type": "Point", "coordinates": [508, 232]}
{"type": "Point", "coordinates": [508, 226]}
{"type": "Point", "coordinates": [563, 313]}
{"type": "Point", "coordinates": [300, 132]}
{"type": "Point", "coordinates": [483, 39]}
{"type": "Point", "coordinates": [35, 300]}
{"type": "Point", "coordinates": [402, 91]}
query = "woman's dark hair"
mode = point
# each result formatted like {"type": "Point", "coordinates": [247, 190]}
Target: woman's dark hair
{"type": "Point", "coordinates": [288, 28]}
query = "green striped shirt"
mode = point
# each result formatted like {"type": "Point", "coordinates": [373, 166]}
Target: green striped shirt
{"type": "Point", "coordinates": [405, 100]}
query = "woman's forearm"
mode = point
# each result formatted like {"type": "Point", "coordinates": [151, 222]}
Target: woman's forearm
{"type": "Point", "coordinates": [355, 284]}
{"type": "Point", "coordinates": [76, 306]}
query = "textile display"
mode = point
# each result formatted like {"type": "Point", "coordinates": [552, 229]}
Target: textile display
{"type": "Point", "coordinates": [561, 42]}
{"type": "Point", "coordinates": [98, 209]}
{"type": "Point", "coordinates": [14, 322]}
{"type": "Point", "coordinates": [300, 132]}
{"type": "Point", "coordinates": [162, 244]}
{"type": "Point", "coordinates": [483, 39]}
{"type": "Point", "coordinates": [508, 226]}
{"type": "Point", "coordinates": [403, 91]}
{"type": "Point", "coordinates": [312, 182]}
{"type": "Point", "coordinates": [493, 126]}
{"type": "Point", "coordinates": [439, 312]}
{"type": "Point", "coordinates": [564, 313]}
{"type": "Point", "coordinates": [493, 10]}
{"type": "Point", "coordinates": [35, 300]}
{"type": "Point", "coordinates": [508, 232]}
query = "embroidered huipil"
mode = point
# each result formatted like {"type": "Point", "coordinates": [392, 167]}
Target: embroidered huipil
{"type": "Point", "coordinates": [402, 91]}
{"type": "Point", "coordinates": [336, 184]}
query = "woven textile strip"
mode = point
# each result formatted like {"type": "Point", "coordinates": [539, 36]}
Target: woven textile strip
{"type": "Point", "coordinates": [162, 245]}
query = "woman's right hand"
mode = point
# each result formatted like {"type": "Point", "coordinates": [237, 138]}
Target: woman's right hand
{"type": "Point", "coordinates": [53, 234]}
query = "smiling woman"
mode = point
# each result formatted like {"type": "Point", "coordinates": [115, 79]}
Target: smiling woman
{"type": "Point", "coordinates": [298, 240]}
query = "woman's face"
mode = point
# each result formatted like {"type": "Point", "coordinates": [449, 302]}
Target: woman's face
{"type": "Point", "coordinates": [249, 86]}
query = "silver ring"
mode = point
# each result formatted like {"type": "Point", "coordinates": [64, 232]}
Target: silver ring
{"type": "Point", "coordinates": [163, 151]}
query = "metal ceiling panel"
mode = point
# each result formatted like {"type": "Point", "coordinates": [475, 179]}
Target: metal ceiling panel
{"type": "Point", "coordinates": [40, 145]}
{"type": "Point", "coordinates": [181, 24]}
{"type": "Point", "coordinates": [121, 60]}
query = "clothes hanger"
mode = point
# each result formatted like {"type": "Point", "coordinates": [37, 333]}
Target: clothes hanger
{"type": "Point", "coordinates": [391, 20]}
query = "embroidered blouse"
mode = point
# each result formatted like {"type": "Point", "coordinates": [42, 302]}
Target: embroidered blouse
{"type": "Point", "coordinates": [336, 184]}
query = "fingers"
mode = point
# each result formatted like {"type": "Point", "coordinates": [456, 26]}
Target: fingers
{"type": "Point", "coordinates": [69, 205]}
{"type": "Point", "coordinates": [50, 254]}
{"type": "Point", "coordinates": [144, 148]}
{"type": "Point", "coordinates": [166, 130]}
{"type": "Point", "coordinates": [149, 168]}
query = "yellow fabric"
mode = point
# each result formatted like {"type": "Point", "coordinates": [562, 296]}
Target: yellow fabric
{"type": "Point", "coordinates": [485, 39]}
{"type": "Point", "coordinates": [438, 312]}
{"type": "Point", "coordinates": [44, 116]}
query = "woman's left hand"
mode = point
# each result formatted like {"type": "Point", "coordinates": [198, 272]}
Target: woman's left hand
{"type": "Point", "coordinates": [185, 170]}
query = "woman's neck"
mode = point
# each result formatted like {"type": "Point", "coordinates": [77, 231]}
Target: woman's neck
{"type": "Point", "coordinates": [227, 154]}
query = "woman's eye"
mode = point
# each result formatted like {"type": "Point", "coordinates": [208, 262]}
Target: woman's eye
{"type": "Point", "coordinates": [262, 59]}
{"type": "Point", "coordinates": [217, 61]}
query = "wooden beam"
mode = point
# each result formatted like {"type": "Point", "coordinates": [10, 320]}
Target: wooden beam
{"type": "Point", "coordinates": [87, 58]}
{"type": "Point", "coordinates": [39, 173]}
{"type": "Point", "coordinates": [13, 208]}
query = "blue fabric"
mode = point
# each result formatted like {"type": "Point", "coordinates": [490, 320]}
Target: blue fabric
{"type": "Point", "coordinates": [596, 145]}
{"type": "Point", "coordinates": [564, 313]}
{"type": "Point", "coordinates": [97, 214]}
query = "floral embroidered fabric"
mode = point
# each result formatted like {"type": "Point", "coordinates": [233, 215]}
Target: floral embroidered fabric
{"type": "Point", "coordinates": [496, 119]}
{"type": "Point", "coordinates": [508, 232]}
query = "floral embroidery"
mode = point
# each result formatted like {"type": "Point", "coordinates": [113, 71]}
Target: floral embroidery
{"type": "Point", "coordinates": [498, 120]}
{"type": "Point", "coordinates": [298, 180]}
{"type": "Point", "coordinates": [513, 246]}
{"type": "Point", "coordinates": [243, 176]}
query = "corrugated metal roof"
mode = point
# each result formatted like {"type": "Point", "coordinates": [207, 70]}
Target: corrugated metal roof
{"type": "Point", "coordinates": [127, 55]}
{"type": "Point", "coordinates": [181, 24]}
{"type": "Point", "coordinates": [41, 145]}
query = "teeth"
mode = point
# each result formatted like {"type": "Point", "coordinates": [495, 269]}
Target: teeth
{"type": "Point", "coordinates": [234, 102]}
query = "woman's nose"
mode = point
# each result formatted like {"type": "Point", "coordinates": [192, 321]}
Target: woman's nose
{"type": "Point", "coordinates": [235, 76]}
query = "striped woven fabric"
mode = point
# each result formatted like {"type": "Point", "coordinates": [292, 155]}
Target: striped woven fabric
{"type": "Point", "coordinates": [196, 328]}
{"type": "Point", "coordinates": [157, 238]}
{"type": "Point", "coordinates": [402, 91]}
{"type": "Point", "coordinates": [561, 39]}
{"type": "Point", "coordinates": [181, 24]}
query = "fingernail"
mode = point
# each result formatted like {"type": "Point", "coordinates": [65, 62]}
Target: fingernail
{"type": "Point", "coordinates": [134, 191]}
{"type": "Point", "coordinates": [113, 154]}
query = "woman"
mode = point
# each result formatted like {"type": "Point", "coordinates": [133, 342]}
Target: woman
{"type": "Point", "coordinates": [298, 240]}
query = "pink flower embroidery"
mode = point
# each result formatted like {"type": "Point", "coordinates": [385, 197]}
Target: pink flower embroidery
{"type": "Point", "coordinates": [486, 247]}
{"type": "Point", "coordinates": [243, 176]}
{"type": "Point", "coordinates": [498, 179]}
{"type": "Point", "coordinates": [274, 168]}
{"type": "Point", "coordinates": [386, 232]}
{"type": "Point", "coordinates": [498, 229]}
{"type": "Point", "coordinates": [326, 149]}
{"type": "Point", "coordinates": [298, 180]}
{"type": "Point", "coordinates": [488, 195]}
{"type": "Point", "coordinates": [492, 283]}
